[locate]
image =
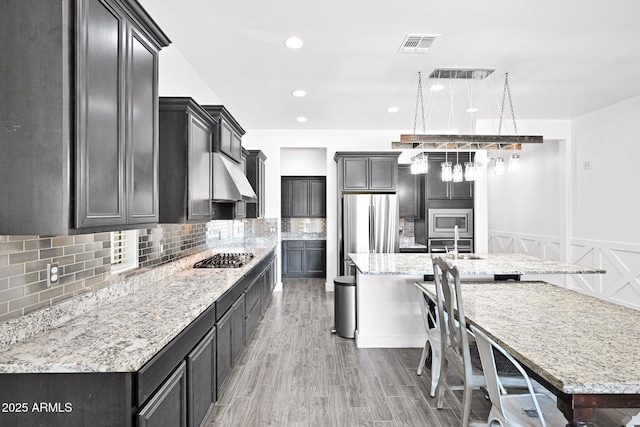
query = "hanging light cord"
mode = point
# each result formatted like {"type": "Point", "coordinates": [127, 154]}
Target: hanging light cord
{"type": "Point", "coordinates": [419, 101]}
{"type": "Point", "coordinates": [505, 92]}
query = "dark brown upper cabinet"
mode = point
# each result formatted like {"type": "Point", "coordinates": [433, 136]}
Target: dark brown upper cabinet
{"type": "Point", "coordinates": [367, 172]}
{"type": "Point", "coordinates": [303, 197]}
{"type": "Point", "coordinates": [80, 123]}
{"type": "Point", "coordinates": [446, 190]}
{"type": "Point", "coordinates": [186, 137]}
{"type": "Point", "coordinates": [255, 171]}
{"type": "Point", "coordinates": [408, 193]}
{"type": "Point", "coordinates": [228, 134]}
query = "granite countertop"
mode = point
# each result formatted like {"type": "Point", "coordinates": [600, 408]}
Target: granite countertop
{"type": "Point", "coordinates": [494, 263]}
{"type": "Point", "coordinates": [123, 335]}
{"type": "Point", "coordinates": [579, 343]}
{"type": "Point", "coordinates": [304, 236]}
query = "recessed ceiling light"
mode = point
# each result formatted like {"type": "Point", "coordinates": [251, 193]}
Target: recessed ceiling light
{"type": "Point", "coordinates": [436, 87]}
{"type": "Point", "coordinates": [473, 110]}
{"type": "Point", "coordinates": [301, 119]}
{"type": "Point", "coordinates": [293, 42]}
{"type": "Point", "coordinates": [393, 109]}
{"type": "Point", "coordinates": [298, 93]}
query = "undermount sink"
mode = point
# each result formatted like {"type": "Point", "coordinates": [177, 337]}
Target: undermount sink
{"type": "Point", "coordinates": [465, 257]}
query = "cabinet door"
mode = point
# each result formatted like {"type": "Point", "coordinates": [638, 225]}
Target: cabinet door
{"type": "Point", "coordinates": [200, 137]}
{"type": "Point", "coordinates": [236, 146]}
{"type": "Point", "coordinates": [201, 380]}
{"type": "Point", "coordinates": [317, 198]}
{"type": "Point", "coordinates": [436, 188]}
{"type": "Point", "coordinates": [261, 188]}
{"type": "Point", "coordinates": [226, 137]}
{"type": "Point", "coordinates": [383, 172]}
{"type": "Point", "coordinates": [101, 90]}
{"type": "Point", "coordinates": [462, 190]}
{"type": "Point", "coordinates": [315, 258]}
{"type": "Point", "coordinates": [293, 258]}
{"type": "Point", "coordinates": [241, 207]}
{"type": "Point", "coordinates": [408, 192]}
{"type": "Point", "coordinates": [285, 198]}
{"type": "Point", "coordinates": [168, 407]}
{"type": "Point", "coordinates": [237, 328]}
{"type": "Point", "coordinates": [142, 138]}
{"type": "Point", "coordinates": [300, 198]}
{"type": "Point", "coordinates": [223, 350]}
{"type": "Point", "coordinates": [355, 173]}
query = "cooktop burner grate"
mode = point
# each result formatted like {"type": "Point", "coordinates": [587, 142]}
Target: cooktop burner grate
{"type": "Point", "coordinates": [225, 260]}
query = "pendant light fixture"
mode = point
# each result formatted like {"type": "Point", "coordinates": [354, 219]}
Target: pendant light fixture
{"type": "Point", "coordinates": [514, 160]}
{"type": "Point", "coordinates": [447, 173]}
{"type": "Point", "coordinates": [457, 169]}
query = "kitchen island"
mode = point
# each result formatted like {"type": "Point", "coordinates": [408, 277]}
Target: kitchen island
{"type": "Point", "coordinates": [388, 313]}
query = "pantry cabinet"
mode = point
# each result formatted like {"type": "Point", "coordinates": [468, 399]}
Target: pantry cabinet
{"type": "Point", "coordinates": [80, 150]}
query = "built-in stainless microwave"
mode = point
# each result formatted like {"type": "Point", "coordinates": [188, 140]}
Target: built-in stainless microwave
{"type": "Point", "coordinates": [441, 223]}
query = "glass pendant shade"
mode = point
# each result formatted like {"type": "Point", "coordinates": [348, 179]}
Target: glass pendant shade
{"type": "Point", "coordinates": [514, 163]}
{"type": "Point", "coordinates": [447, 173]}
{"type": "Point", "coordinates": [499, 166]}
{"type": "Point", "coordinates": [457, 173]}
{"type": "Point", "coordinates": [470, 172]}
{"type": "Point", "coordinates": [420, 164]}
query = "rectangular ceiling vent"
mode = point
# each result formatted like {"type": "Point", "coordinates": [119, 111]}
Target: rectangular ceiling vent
{"type": "Point", "coordinates": [461, 73]}
{"type": "Point", "coordinates": [417, 43]}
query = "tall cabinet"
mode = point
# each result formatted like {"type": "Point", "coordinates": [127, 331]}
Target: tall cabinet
{"type": "Point", "coordinates": [80, 146]}
{"type": "Point", "coordinates": [82, 151]}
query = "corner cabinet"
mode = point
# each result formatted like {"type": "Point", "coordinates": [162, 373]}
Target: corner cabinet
{"type": "Point", "coordinates": [186, 135]}
{"type": "Point", "coordinates": [369, 172]}
{"type": "Point", "coordinates": [255, 171]}
{"type": "Point", "coordinates": [80, 146]}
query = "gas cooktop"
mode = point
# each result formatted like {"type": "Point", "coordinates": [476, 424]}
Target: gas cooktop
{"type": "Point", "coordinates": [225, 260]}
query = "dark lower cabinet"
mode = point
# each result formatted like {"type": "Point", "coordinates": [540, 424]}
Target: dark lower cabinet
{"type": "Point", "coordinates": [201, 380]}
{"type": "Point", "coordinates": [304, 259]}
{"type": "Point", "coordinates": [223, 351]}
{"type": "Point", "coordinates": [237, 328]}
{"type": "Point", "coordinates": [168, 407]}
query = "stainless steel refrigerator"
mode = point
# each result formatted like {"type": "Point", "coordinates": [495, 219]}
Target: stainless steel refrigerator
{"type": "Point", "coordinates": [369, 224]}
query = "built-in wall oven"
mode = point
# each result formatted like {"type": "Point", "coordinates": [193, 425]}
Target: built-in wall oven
{"type": "Point", "coordinates": [441, 226]}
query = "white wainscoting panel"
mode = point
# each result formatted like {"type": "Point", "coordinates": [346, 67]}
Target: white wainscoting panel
{"type": "Point", "coordinates": [621, 261]}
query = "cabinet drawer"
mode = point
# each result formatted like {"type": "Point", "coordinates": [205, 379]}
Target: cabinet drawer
{"type": "Point", "coordinates": [252, 294]}
{"type": "Point", "coordinates": [315, 243]}
{"type": "Point", "coordinates": [295, 244]}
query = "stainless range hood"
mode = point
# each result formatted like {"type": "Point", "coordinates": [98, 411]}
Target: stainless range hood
{"type": "Point", "coordinates": [229, 182]}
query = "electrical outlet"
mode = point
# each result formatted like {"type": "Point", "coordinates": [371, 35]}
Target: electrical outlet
{"type": "Point", "coordinates": [53, 274]}
{"type": "Point", "coordinates": [586, 165]}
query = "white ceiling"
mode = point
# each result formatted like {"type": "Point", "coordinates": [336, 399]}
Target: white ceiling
{"type": "Point", "coordinates": [564, 58]}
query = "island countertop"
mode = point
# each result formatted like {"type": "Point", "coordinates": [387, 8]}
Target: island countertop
{"type": "Point", "coordinates": [123, 335]}
{"type": "Point", "coordinates": [468, 264]}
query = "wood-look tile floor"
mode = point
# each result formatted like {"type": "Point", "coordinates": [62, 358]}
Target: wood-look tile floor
{"type": "Point", "coordinates": [294, 372]}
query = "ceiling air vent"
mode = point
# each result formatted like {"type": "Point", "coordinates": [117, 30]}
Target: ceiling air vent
{"type": "Point", "coordinates": [417, 43]}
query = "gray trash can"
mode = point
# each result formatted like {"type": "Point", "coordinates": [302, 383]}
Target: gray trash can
{"type": "Point", "coordinates": [344, 306]}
